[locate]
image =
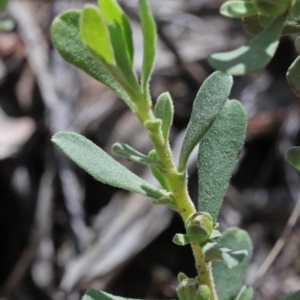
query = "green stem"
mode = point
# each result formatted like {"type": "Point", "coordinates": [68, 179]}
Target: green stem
{"type": "Point", "coordinates": [204, 270]}
{"type": "Point", "coordinates": [177, 183]}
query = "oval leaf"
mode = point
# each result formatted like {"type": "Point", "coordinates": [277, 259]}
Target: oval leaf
{"type": "Point", "coordinates": [228, 281]}
{"type": "Point", "coordinates": [293, 157]}
{"type": "Point", "coordinates": [208, 103]}
{"type": "Point", "coordinates": [218, 156]}
{"type": "Point", "coordinates": [149, 40]}
{"type": "Point", "coordinates": [293, 76]}
{"type": "Point", "coordinates": [95, 35]}
{"type": "Point", "coordinates": [245, 293]}
{"type": "Point", "coordinates": [255, 55]}
{"type": "Point", "coordinates": [121, 38]}
{"type": "Point", "coordinates": [115, 16]}
{"type": "Point", "coordinates": [67, 40]}
{"type": "Point", "coordinates": [101, 166]}
{"type": "Point", "coordinates": [238, 9]}
{"type": "Point", "coordinates": [164, 110]}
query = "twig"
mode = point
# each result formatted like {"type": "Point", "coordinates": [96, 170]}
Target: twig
{"type": "Point", "coordinates": [279, 244]}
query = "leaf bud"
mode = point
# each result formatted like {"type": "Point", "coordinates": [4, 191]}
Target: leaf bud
{"type": "Point", "coordinates": [190, 289]}
{"type": "Point", "coordinates": [199, 227]}
{"type": "Point", "coordinates": [272, 7]}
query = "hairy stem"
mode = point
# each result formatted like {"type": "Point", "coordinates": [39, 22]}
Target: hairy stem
{"type": "Point", "coordinates": [177, 183]}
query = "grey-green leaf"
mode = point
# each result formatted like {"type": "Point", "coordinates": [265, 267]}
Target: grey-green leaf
{"type": "Point", "coordinates": [149, 41]}
{"type": "Point", "coordinates": [116, 17]}
{"type": "Point", "coordinates": [232, 259]}
{"type": "Point", "coordinates": [293, 76]}
{"type": "Point", "coordinates": [218, 156]}
{"type": "Point", "coordinates": [255, 55]}
{"type": "Point", "coordinates": [95, 35]}
{"type": "Point", "coordinates": [245, 293]}
{"type": "Point", "coordinates": [238, 9]}
{"type": "Point", "coordinates": [157, 173]}
{"type": "Point", "coordinates": [92, 294]}
{"type": "Point", "coordinates": [101, 166]}
{"type": "Point", "coordinates": [228, 281]}
{"type": "Point", "coordinates": [164, 110]}
{"type": "Point", "coordinates": [67, 40]}
{"type": "Point", "coordinates": [207, 105]}
{"type": "Point", "coordinates": [133, 155]}
{"type": "Point", "coordinates": [121, 37]}
{"type": "Point", "coordinates": [293, 157]}
{"type": "Point", "coordinates": [294, 296]}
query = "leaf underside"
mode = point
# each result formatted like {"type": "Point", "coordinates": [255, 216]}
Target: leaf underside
{"type": "Point", "coordinates": [101, 166]}
{"type": "Point", "coordinates": [253, 56]}
{"type": "Point", "coordinates": [218, 156]}
{"type": "Point", "coordinates": [207, 105]}
{"type": "Point", "coordinates": [228, 281]}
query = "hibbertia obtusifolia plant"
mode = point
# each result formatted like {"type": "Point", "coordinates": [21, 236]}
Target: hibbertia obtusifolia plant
{"type": "Point", "coordinates": [98, 40]}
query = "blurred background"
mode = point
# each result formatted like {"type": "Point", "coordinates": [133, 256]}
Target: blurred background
{"type": "Point", "coordinates": [62, 232]}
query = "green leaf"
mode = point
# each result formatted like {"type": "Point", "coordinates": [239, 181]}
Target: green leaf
{"type": "Point", "coordinates": [95, 35]}
{"type": "Point", "coordinates": [164, 110]}
{"type": "Point", "coordinates": [232, 259]}
{"type": "Point", "coordinates": [295, 296]}
{"type": "Point", "coordinates": [181, 276]}
{"type": "Point", "coordinates": [271, 7]}
{"type": "Point", "coordinates": [293, 76]}
{"type": "Point", "coordinates": [238, 9]}
{"type": "Point", "coordinates": [292, 25]}
{"type": "Point", "coordinates": [252, 25]}
{"type": "Point", "coordinates": [121, 38]}
{"type": "Point", "coordinates": [3, 4]}
{"type": "Point", "coordinates": [115, 16]}
{"type": "Point", "coordinates": [245, 293]}
{"type": "Point", "coordinates": [101, 166]}
{"type": "Point", "coordinates": [133, 155]}
{"type": "Point", "coordinates": [255, 55]}
{"type": "Point", "coordinates": [181, 239]}
{"type": "Point", "coordinates": [157, 173]}
{"type": "Point", "coordinates": [67, 40]}
{"type": "Point", "coordinates": [228, 281]}
{"type": "Point", "coordinates": [293, 157]}
{"type": "Point", "coordinates": [295, 9]}
{"type": "Point", "coordinates": [218, 156]}
{"type": "Point", "coordinates": [207, 105]}
{"type": "Point", "coordinates": [92, 294]}
{"type": "Point", "coordinates": [149, 40]}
